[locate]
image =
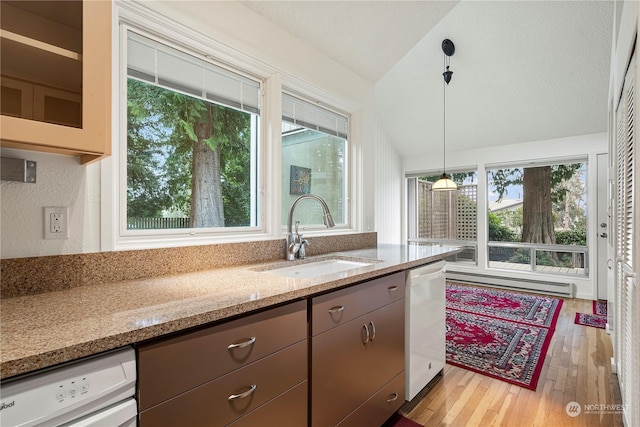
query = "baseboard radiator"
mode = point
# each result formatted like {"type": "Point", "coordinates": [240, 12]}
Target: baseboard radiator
{"type": "Point", "coordinates": [566, 290]}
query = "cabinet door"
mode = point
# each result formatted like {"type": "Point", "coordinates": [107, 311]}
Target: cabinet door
{"type": "Point", "coordinates": [385, 350]}
{"type": "Point", "coordinates": [17, 98]}
{"type": "Point", "coordinates": [57, 106]}
{"type": "Point", "coordinates": [338, 373]}
{"type": "Point", "coordinates": [378, 409]}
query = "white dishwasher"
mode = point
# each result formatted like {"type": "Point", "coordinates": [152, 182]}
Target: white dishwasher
{"type": "Point", "coordinates": [425, 324]}
{"type": "Point", "coordinates": [97, 391]}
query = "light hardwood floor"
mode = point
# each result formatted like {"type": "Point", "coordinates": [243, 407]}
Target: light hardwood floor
{"type": "Point", "coordinates": [577, 368]}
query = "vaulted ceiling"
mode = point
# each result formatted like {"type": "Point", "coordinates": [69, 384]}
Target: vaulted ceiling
{"type": "Point", "coordinates": [523, 70]}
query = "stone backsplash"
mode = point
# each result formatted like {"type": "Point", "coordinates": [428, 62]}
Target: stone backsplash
{"type": "Point", "coordinates": [28, 276]}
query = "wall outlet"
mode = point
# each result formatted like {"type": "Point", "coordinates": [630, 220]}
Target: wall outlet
{"type": "Point", "coordinates": [56, 223]}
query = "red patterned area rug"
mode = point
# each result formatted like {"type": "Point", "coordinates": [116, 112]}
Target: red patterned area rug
{"type": "Point", "coordinates": [600, 307]}
{"type": "Point", "coordinates": [598, 319]}
{"type": "Point", "coordinates": [398, 420]}
{"type": "Point", "coordinates": [501, 334]}
{"type": "Point", "coordinates": [517, 307]}
{"type": "Point", "coordinates": [591, 320]}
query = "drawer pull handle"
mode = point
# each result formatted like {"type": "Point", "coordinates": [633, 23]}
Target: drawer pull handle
{"type": "Point", "coordinates": [392, 397]}
{"type": "Point", "coordinates": [392, 288]}
{"type": "Point", "coordinates": [244, 394]}
{"type": "Point", "coordinates": [246, 343]}
{"type": "Point", "coordinates": [365, 336]}
{"type": "Point", "coordinates": [373, 330]}
{"type": "Point", "coordinates": [336, 309]}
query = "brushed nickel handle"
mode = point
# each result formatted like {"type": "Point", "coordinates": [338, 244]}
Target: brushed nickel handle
{"type": "Point", "coordinates": [373, 330]}
{"type": "Point", "coordinates": [392, 288]}
{"type": "Point", "coordinates": [392, 397]}
{"type": "Point", "coordinates": [365, 337]}
{"type": "Point", "coordinates": [242, 344]}
{"type": "Point", "coordinates": [336, 309]}
{"type": "Point", "coordinates": [244, 394]}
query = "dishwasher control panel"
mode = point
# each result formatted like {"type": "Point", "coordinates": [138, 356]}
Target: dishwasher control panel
{"type": "Point", "coordinates": [69, 391]}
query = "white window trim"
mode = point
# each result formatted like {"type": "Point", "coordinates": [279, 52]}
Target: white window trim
{"type": "Point", "coordinates": [269, 151]}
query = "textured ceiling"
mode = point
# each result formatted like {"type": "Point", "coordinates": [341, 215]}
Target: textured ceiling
{"type": "Point", "coordinates": [368, 37]}
{"type": "Point", "coordinates": [523, 70]}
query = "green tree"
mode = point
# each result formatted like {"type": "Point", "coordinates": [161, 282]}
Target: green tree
{"type": "Point", "coordinates": [204, 146]}
{"type": "Point", "coordinates": [541, 189]}
{"type": "Point", "coordinates": [498, 232]}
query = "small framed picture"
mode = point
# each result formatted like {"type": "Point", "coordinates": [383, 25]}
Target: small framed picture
{"type": "Point", "coordinates": [300, 180]}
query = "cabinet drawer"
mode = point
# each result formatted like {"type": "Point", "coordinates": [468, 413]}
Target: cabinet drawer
{"type": "Point", "coordinates": [288, 409]}
{"type": "Point", "coordinates": [173, 366]}
{"type": "Point", "coordinates": [376, 410]}
{"type": "Point", "coordinates": [341, 306]}
{"type": "Point", "coordinates": [210, 404]}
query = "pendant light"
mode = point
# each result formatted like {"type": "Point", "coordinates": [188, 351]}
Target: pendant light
{"type": "Point", "coordinates": [445, 183]}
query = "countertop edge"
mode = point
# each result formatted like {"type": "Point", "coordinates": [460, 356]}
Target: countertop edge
{"type": "Point", "coordinates": [37, 361]}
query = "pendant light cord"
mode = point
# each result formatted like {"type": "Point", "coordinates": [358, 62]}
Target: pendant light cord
{"type": "Point", "coordinates": [444, 121]}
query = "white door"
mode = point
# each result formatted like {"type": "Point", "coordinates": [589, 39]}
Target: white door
{"type": "Point", "coordinates": [603, 226]}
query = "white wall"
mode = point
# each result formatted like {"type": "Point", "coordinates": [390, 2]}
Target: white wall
{"type": "Point", "coordinates": [63, 182]}
{"type": "Point", "coordinates": [389, 189]}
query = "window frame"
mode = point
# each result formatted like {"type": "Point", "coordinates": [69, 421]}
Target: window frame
{"type": "Point", "coordinates": [541, 247]}
{"type": "Point", "coordinates": [273, 83]}
{"type": "Point", "coordinates": [347, 225]}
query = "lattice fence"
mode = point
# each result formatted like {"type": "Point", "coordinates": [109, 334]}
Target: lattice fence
{"type": "Point", "coordinates": [447, 214]}
{"type": "Point", "coordinates": [467, 212]}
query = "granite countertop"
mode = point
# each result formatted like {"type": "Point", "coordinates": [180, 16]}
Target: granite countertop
{"type": "Point", "coordinates": [43, 330]}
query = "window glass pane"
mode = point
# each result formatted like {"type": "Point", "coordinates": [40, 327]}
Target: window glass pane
{"type": "Point", "coordinates": [533, 212]}
{"type": "Point", "coordinates": [541, 204]}
{"type": "Point", "coordinates": [448, 215]}
{"type": "Point", "coordinates": [190, 162]}
{"type": "Point", "coordinates": [313, 162]}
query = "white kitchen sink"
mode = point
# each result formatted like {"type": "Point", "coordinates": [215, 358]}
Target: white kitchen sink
{"type": "Point", "coordinates": [318, 268]}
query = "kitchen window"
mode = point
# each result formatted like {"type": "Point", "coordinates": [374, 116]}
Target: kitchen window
{"type": "Point", "coordinates": [314, 160]}
{"type": "Point", "coordinates": [203, 128]}
{"type": "Point", "coordinates": [192, 129]}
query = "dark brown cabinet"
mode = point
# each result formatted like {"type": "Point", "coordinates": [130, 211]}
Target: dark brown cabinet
{"type": "Point", "coordinates": [218, 375]}
{"type": "Point", "coordinates": [255, 370]}
{"type": "Point", "coordinates": [357, 353]}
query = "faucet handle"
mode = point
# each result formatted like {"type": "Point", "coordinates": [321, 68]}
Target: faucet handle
{"type": "Point", "coordinates": [302, 253]}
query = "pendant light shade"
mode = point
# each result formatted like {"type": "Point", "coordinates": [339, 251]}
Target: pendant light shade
{"type": "Point", "coordinates": [445, 183]}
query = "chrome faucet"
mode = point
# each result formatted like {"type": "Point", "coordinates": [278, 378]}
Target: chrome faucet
{"type": "Point", "coordinates": [295, 242]}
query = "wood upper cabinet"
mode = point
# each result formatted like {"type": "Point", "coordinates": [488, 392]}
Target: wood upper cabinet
{"type": "Point", "coordinates": [55, 71]}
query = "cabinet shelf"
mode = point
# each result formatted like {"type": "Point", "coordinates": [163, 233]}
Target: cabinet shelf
{"type": "Point", "coordinates": [26, 41]}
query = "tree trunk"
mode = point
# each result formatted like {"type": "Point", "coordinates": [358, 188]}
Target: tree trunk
{"type": "Point", "coordinates": [537, 212]}
{"type": "Point", "coordinates": [206, 186]}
